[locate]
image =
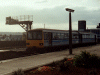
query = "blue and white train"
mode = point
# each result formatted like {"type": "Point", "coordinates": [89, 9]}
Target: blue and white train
{"type": "Point", "coordinates": [44, 38]}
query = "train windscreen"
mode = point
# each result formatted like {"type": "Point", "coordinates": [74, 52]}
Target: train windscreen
{"type": "Point", "coordinates": [34, 35]}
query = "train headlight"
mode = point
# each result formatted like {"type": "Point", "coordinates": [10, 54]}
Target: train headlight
{"type": "Point", "coordinates": [40, 44]}
{"type": "Point", "coordinates": [27, 43]}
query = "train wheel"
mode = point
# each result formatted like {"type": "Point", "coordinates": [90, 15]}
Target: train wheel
{"type": "Point", "coordinates": [31, 50]}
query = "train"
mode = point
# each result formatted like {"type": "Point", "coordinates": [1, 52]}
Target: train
{"type": "Point", "coordinates": [50, 38]}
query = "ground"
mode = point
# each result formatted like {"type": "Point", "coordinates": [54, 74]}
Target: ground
{"type": "Point", "coordinates": [71, 71]}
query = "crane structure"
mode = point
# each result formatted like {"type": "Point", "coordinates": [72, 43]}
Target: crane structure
{"type": "Point", "coordinates": [25, 21]}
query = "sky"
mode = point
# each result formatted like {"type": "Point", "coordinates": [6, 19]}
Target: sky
{"type": "Point", "coordinates": [52, 13]}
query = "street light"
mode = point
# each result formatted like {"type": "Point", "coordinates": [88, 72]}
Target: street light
{"type": "Point", "coordinates": [70, 30]}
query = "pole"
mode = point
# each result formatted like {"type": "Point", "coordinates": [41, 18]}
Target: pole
{"type": "Point", "coordinates": [27, 31]}
{"type": "Point", "coordinates": [70, 30]}
{"type": "Point", "coordinates": [44, 26]}
{"type": "Point", "coordinates": [70, 34]}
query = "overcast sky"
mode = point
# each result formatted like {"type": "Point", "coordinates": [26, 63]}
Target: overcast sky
{"type": "Point", "coordinates": [50, 12]}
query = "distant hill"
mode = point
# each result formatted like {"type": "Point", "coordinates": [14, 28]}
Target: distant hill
{"type": "Point", "coordinates": [11, 33]}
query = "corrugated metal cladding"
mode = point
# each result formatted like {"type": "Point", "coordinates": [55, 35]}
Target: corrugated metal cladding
{"type": "Point", "coordinates": [81, 25]}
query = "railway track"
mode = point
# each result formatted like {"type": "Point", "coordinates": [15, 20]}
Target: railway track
{"type": "Point", "coordinates": [21, 52]}
{"type": "Point", "coordinates": [15, 53]}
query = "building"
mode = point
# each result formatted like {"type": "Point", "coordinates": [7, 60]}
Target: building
{"type": "Point", "coordinates": [96, 31]}
{"type": "Point", "coordinates": [82, 27]}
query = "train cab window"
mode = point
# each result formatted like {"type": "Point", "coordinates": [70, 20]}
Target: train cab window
{"type": "Point", "coordinates": [34, 35]}
{"type": "Point", "coordinates": [39, 35]}
{"type": "Point", "coordinates": [29, 35]}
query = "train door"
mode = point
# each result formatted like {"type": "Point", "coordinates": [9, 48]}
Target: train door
{"type": "Point", "coordinates": [47, 39]}
{"type": "Point", "coordinates": [80, 38]}
{"type": "Point", "coordinates": [50, 39]}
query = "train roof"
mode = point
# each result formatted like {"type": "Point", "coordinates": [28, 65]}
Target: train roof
{"type": "Point", "coordinates": [94, 29]}
{"type": "Point", "coordinates": [51, 29]}
{"type": "Point", "coordinates": [86, 33]}
{"type": "Point", "coordinates": [47, 29]}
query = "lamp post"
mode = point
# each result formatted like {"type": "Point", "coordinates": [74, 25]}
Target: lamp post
{"type": "Point", "coordinates": [70, 30]}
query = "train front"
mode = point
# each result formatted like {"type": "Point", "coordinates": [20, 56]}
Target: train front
{"type": "Point", "coordinates": [34, 39]}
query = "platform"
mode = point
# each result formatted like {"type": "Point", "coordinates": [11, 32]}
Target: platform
{"type": "Point", "coordinates": [25, 63]}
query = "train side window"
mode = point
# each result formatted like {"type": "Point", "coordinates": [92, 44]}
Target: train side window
{"type": "Point", "coordinates": [55, 36]}
{"type": "Point", "coordinates": [88, 35]}
{"type": "Point", "coordinates": [75, 36]}
{"type": "Point", "coordinates": [92, 36]}
{"type": "Point", "coordinates": [66, 35]}
{"type": "Point", "coordinates": [62, 36]}
{"type": "Point", "coordinates": [30, 35]}
{"type": "Point", "coordinates": [58, 36]}
{"type": "Point", "coordinates": [83, 36]}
